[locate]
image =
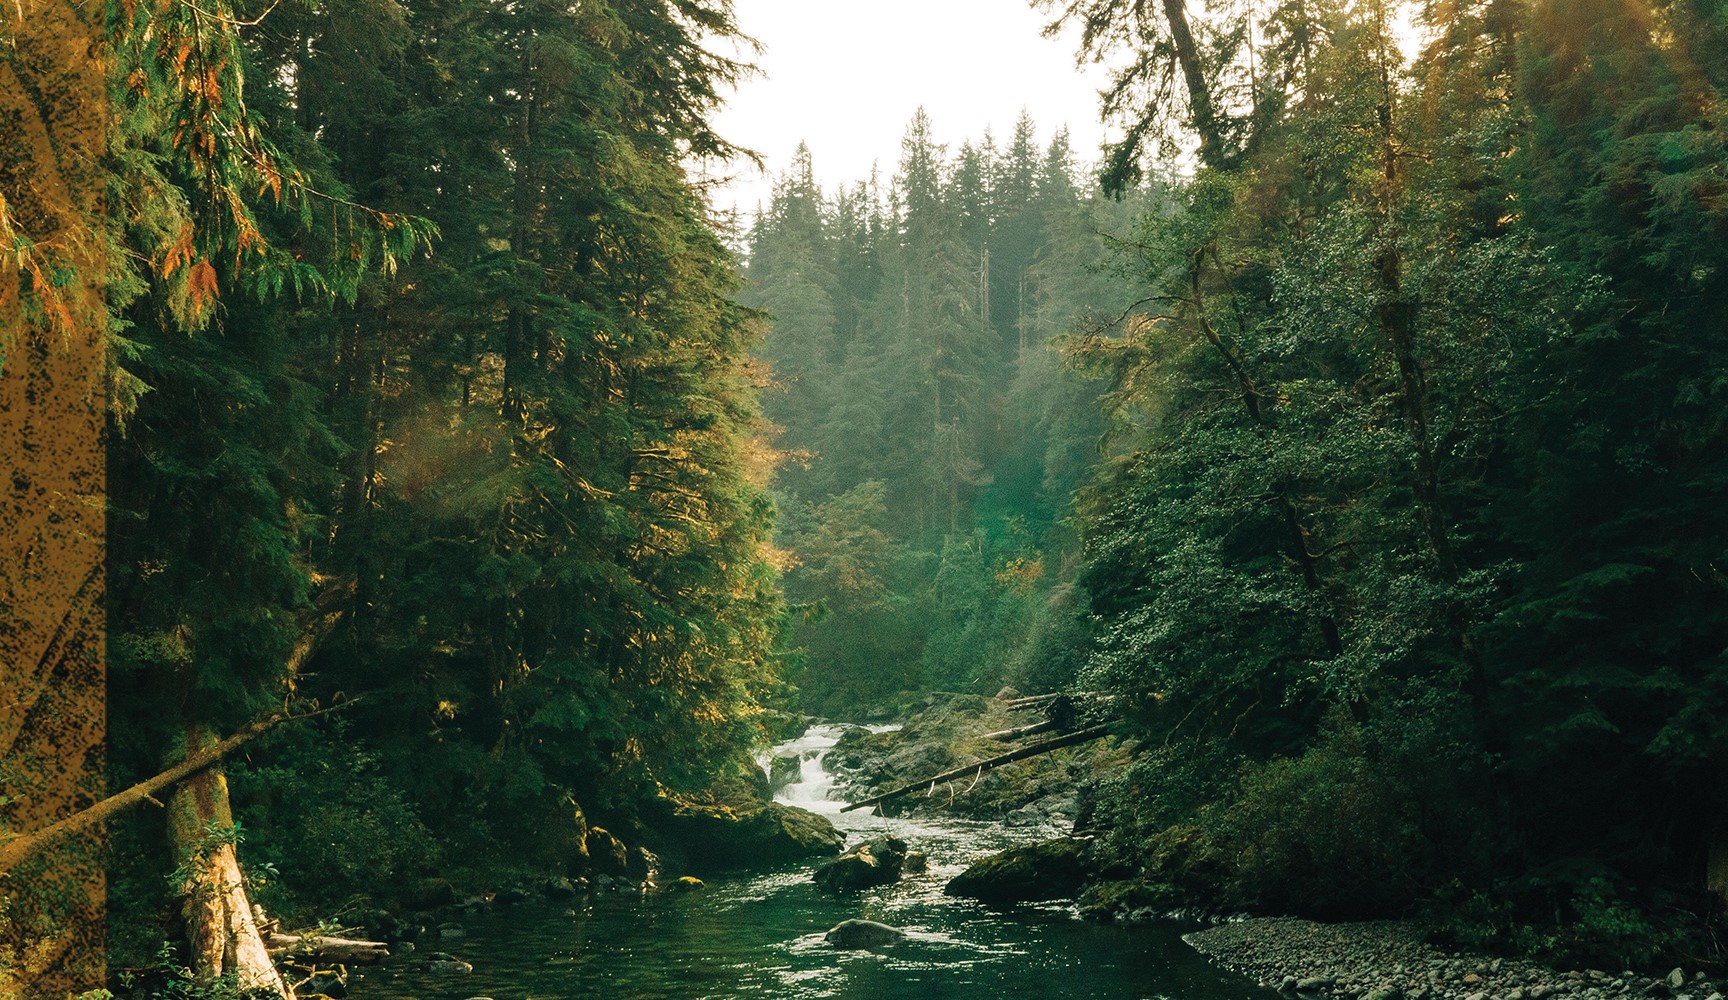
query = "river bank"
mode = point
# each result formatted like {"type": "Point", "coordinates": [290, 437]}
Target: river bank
{"type": "Point", "coordinates": [1390, 960]}
{"type": "Point", "coordinates": [1385, 960]}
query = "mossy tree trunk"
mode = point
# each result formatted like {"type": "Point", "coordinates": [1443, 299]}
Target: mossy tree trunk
{"type": "Point", "coordinates": [221, 932]}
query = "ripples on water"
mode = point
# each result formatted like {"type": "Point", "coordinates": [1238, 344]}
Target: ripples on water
{"type": "Point", "coordinates": [759, 934]}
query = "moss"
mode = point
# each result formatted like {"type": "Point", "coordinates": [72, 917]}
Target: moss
{"type": "Point", "coordinates": [1054, 869]}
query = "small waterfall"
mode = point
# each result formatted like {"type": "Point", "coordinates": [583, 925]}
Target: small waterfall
{"type": "Point", "coordinates": [813, 790]}
{"type": "Point", "coordinates": [814, 783]}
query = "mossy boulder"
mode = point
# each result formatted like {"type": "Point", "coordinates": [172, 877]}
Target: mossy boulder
{"type": "Point", "coordinates": [575, 841]}
{"type": "Point", "coordinates": [863, 934]}
{"type": "Point", "coordinates": [607, 854]}
{"type": "Point", "coordinates": [878, 861]}
{"type": "Point", "coordinates": [1118, 899]}
{"type": "Point", "coordinates": [1054, 869]}
{"type": "Point", "coordinates": [725, 836]}
{"type": "Point", "coordinates": [431, 893]}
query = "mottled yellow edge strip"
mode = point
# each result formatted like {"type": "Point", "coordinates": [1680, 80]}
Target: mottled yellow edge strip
{"type": "Point", "coordinates": [53, 335]}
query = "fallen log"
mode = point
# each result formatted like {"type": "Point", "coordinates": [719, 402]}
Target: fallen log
{"type": "Point", "coordinates": [22, 846]}
{"type": "Point", "coordinates": [325, 948]}
{"type": "Point", "coordinates": [1065, 740]}
{"type": "Point", "coordinates": [1009, 735]}
{"type": "Point", "coordinates": [1041, 700]}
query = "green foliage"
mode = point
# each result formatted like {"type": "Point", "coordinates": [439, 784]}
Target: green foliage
{"type": "Point", "coordinates": [1403, 563]}
{"type": "Point", "coordinates": [1572, 913]}
{"type": "Point", "coordinates": [166, 977]}
{"type": "Point", "coordinates": [323, 807]}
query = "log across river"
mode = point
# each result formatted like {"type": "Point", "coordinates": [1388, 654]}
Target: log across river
{"type": "Point", "coordinates": [759, 934]}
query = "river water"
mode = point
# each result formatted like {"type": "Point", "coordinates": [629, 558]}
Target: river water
{"type": "Point", "coordinates": [759, 934]}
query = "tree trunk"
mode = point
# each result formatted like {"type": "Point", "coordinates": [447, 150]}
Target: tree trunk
{"type": "Point", "coordinates": [978, 768]}
{"type": "Point", "coordinates": [1716, 865]}
{"type": "Point", "coordinates": [1205, 119]}
{"type": "Point", "coordinates": [221, 932]}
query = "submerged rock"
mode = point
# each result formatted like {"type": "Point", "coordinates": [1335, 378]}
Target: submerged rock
{"type": "Point", "coordinates": [863, 934]}
{"type": "Point", "coordinates": [1054, 869]}
{"type": "Point", "coordinates": [878, 861]}
{"type": "Point", "coordinates": [443, 962]}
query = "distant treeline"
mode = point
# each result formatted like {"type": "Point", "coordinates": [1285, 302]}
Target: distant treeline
{"type": "Point", "coordinates": [931, 435]}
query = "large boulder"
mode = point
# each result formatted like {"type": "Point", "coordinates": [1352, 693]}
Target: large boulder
{"type": "Point", "coordinates": [575, 841]}
{"type": "Point", "coordinates": [607, 854]}
{"type": "Point", "coordinates": [1054, 869]}
{"type": "Point", "coordinates": [874, 862]}
{"type": "Point", "coordinates": [725, 836]}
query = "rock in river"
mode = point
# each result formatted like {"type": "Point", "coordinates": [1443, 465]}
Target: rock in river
{"type": "Point", "coordinates": [1053, 869]}
{"type": "Point", "coordinates": [877, 861]}
{"type": "Point", "coordinates": [752, 835]}
{"type": "Point", "coordinates": [863, 934]}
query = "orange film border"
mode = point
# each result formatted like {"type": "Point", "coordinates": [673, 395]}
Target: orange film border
{"type": "Point", "coordinates": [54, 246]}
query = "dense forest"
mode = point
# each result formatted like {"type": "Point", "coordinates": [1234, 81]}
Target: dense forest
{"type": "Point", "coordinates": [431, 412]}
{"type": "Point", "coordinates": [1357, 428]}
{"type": "Point", "coordinates": [1395, 436]}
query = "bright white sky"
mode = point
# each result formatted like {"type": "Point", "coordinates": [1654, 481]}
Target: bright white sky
{"type": "Point", "coordinates": [846, 77]}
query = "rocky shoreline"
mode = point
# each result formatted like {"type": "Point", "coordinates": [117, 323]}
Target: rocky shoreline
{"type": "Point", "coordinates": [1301, 959]}
{"type": "Point", "coordinates": [1390, 960]}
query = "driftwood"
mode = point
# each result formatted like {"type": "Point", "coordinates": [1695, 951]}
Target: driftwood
{"type": "Point", "coordinates": [324, 948]}
{"type": "Point", "coordinates": [1009, 735]}
{"type": "Point", "coordinates": [1065, 740]}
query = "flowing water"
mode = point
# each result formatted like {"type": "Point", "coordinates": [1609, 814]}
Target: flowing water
{"type": "Point", "coordinates": [759, 934]}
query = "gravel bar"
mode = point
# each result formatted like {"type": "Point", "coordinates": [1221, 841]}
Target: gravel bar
{"type": "Point", "coordinates": [1388, 960]}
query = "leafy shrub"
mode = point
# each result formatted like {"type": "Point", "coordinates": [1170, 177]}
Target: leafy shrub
{"type": "Point", "coordinates": [335, 828]}
{"type": "Point", "coordinates": [1362, 823]}
{"type": "Point", "coordinates": [1573, 913]}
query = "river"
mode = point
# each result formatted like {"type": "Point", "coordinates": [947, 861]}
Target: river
{"type": "Point", "coordinates": [759, 934]}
